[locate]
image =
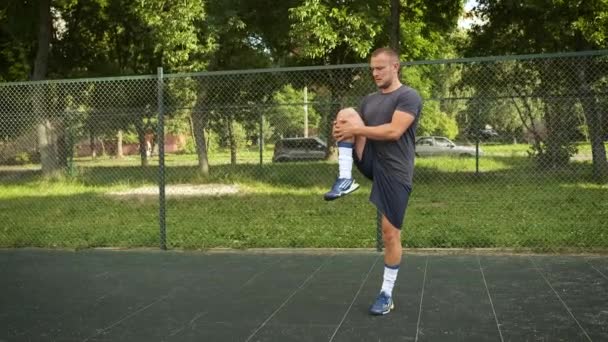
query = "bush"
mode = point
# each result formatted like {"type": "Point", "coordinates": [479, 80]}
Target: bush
{"type": "Point", "coordinates": [23, 158]}
{"type": "Point", "coordinates": [435, 122]}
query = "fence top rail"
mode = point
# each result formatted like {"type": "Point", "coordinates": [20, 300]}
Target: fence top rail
{"type": "Point", "coordinates": [487, 59]}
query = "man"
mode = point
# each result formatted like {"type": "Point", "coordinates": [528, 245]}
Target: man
{"type": "Point", "coordinates": [380, 137]}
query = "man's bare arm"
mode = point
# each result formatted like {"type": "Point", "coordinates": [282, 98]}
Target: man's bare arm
{"type": "Point", "coordinates": [400, 122]}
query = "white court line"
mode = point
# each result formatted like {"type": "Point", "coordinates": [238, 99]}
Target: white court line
{"type": "Point", "coordinates": [426, 264]}
{"type": "Point", "coordinates": [560, 299]}
{"type": "Point", "coordinates": [490, 297]}
{"type": "Point", "coordinates": [288, 298]}
{"type": "Point", "coordinates": [354, 299]}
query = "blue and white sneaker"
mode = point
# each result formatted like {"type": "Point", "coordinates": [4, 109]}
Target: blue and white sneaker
{"type": "Point", "coordinates": [342, 186]}
{"type": "Point", "coordinates": [383, 305]}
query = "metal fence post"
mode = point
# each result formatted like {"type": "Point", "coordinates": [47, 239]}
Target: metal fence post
{"type": "Point", "coordinates": [71, 167]}
{"type": "Point", "coordinates": [477, 155]}
{"type": "Point", "coordinates": [261, 140]}
{"type": "Point", "coordinates": [161, 160]}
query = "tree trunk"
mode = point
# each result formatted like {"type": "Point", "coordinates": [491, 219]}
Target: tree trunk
{"type": "Point", "coordinates": [102, 146]}
{"type": "Point", "coordinates": [47, 146]}
{"type": "Point", "coordinates": [200, 120]}
{"type": "Point", "coordinates": [141, 136]}
{"type": "Point", "coordinates": [198, 123]}
{"type": "Point", "coordinates": [92, 144]}
{"type": "Point", "coordinates": [532, 128]}
{"type": "Point", "coordinates": [47, 142]}
{"type": "Point", "coordinates": [65, 148]}
{"type": "Point", "coordinates": [557, 142]}
{"type": "Point", "coordinates": [593, 114]}
{"type": "Point", "coordinates": [119, 153]}
{"type": "Point", "coordinates": [44, 41]}
{"type": "Point", "coordinates": [598, 150]}
{"type": "Point", "coordinates": [232, 141]}
{"type": "Point", "coordinates": [395, 25]}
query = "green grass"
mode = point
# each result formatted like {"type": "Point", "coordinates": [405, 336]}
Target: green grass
{"type": "Point", "coordinates": [583, 149]}
{"type": "Point", "coordinates": [509, 203]}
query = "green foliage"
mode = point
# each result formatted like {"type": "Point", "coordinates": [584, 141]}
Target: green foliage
{"type": "Point", "coordinates": [18, 32]}
{"type": "Point", "coordinates": [239, 135]}
{"type": "Point", "coordinates": [23, 158]}
{"type": "Point", "coordinates": [226, 131]}
{"type": "Point", "coordinates": [436, 122]}
{"type": "Point", "coordinates": [178, 125]}
{"type": "Point", "coordinates": [190, 147]}
{"type": "Point", "coordinates": [593, 23]}
{"type": "Point", "coordinates": [322, 27]}
{"type": "Point", "coordinates": [428, 27]}
{"type": "Point", "coordinates": [268, 131]}
{"type": "Point", "coordinates": [130, 137]}
{"type": "Point", "coordinates": [213, 141]}
{"type": "Point", "coordinates": [13, 59]}
{"type": "Point", "coordinates": [286, 116]}
{"type": "Point", "coordinates": [539, 26]}
{"type": "Point", "coordinates": [126, 37]}
{"type": "Point", "coordinates": [334, 31]}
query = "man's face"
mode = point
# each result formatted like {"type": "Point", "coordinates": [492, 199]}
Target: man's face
{"type": "Point", "coordinates": [384, 70]}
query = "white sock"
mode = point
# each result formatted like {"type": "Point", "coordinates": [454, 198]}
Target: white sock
{"type": "Point", "coordinates": [345, 159]}
{"type": "Point", "coordinates": [390, 276]}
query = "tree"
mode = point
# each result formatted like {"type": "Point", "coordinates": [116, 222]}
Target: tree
{"type": "Point", "coordinates": [248, 34]}
{"type": "Point", "coordinates": [25, 46]}
{"type": "Point", "coordinates": [120, 37]}
{"type": "Point", "coordinates": [17, 50]}
{"type": "Point", "coordinates": [539, 26]}
{"type": "Point", "coordinates": [49, 129]}
{"type": "Point", "coordinates": [18, 39]}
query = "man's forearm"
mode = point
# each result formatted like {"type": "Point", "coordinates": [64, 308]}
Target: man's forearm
{"type": "Point", "coordinates": [381, 132]}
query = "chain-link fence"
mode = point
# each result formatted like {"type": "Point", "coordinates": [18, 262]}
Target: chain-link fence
{"type": "Point", "coordinates": [511, 154]}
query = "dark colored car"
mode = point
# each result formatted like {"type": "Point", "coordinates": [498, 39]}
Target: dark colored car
{"type": "Point", "coordinates": [295, 149]}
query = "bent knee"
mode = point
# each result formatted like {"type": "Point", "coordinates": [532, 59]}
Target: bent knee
{"type": "Point", "coordinates": [349, 114]}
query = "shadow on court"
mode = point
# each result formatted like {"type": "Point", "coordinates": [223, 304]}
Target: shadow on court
{"type": "Point", "coordinates": [103, 295]}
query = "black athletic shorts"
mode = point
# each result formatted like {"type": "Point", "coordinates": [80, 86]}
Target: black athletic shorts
{"type": "Point", "coordinates": [389, 195]}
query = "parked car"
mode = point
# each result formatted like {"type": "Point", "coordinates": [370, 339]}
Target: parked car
{"type": "Point", "coordinates": [488, 133]}
{"type": "Point", "coordinates": [294, 149]}
{"type": "Point", "coordinates": [442, 146]}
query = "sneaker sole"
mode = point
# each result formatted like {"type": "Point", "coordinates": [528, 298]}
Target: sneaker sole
{"type": "Point", "coordinates": [385, 312]}
{"type": "Point", "coordinates": [351, 189]}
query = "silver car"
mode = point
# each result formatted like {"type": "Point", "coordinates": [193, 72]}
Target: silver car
{"type": "Point", "coordinates": [294, 149]}
{"type": "Point", "coordinates": [427, 146]}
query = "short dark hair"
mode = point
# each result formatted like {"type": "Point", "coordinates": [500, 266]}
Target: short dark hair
{"type": "Point", "coordinates": [387, 51]}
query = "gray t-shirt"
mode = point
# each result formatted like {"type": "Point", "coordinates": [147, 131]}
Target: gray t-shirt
{"type": "Point", "coordinates": [395, 157]}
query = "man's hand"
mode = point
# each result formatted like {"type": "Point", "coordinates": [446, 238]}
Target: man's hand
{"type": "Point", "coordinates": [344, 129]}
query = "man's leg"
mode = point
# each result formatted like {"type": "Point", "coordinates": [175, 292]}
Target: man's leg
{"type": "Point", "coordinates": [351, 115]}
{"type": "Point", "coordinates": [393, 251]}
{"type": "Point", "coordinates": [345, 183]}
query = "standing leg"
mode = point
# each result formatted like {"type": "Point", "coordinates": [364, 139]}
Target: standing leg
{"type": "Point", "coordinates": [393, 251]}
